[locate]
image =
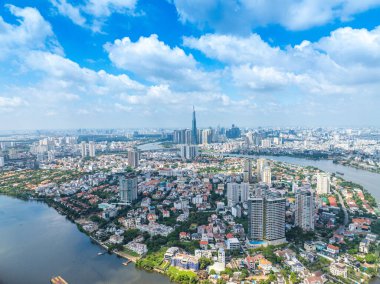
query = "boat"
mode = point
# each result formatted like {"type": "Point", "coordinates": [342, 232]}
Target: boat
{"type": "Point", "coordinates": [126, 263]}
{"type": "Point", "coordinates": [101, 253]}
{"type": "Point", "coordinates": [58, 280]}
{"type": "Point", "coordinates": [340, 173]}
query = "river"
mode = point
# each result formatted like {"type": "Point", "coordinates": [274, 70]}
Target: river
{"type": "Point", "coordinates": [37, 243]}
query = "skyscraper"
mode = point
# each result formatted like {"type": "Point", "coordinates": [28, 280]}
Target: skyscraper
{"type": "Point", "coordinates": [266, 175]}
{"type": "Point", "coordinates": [194, 128]}
{"type": "Point", "coordinates": [304, 211]}
{"type": "Point", "coordinates": [323, 183]}
{"type": "Point", "coordinates": [83, 149]}
{"type": "Point", "coordinates": [266, 218]}
{"type": "Point", "coordinates": [128, 188]}
{"type": "Point", "coordinates": [247, 174]}
{"type": "Point", "coordinates": [260, 163]}
{"type": "Point", "coordinates": [91, 149]}
{"type": "Point", "coordinates": [133, 158]}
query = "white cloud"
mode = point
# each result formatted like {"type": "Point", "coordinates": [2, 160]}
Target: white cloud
{"type": "Point", "coordinates": [11, 102]}
{"type": "Point", "coordinates": [243, 15]}
{"type": "Point", "coordinates": [153, 60]}
{"type": "Point", "coordinates": [93, 13]}
{"type": "Point", "coordinates": [31, 32]}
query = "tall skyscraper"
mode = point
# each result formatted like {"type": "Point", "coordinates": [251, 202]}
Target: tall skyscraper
{"type": "Point", "coordinates": [188, 137]}
{"type": "Point", "coordinates": [2, 163]}
{"type": "Point", "coordinates": [194, 128]}
{"type": "Point", "coordinates": [128, 188]}
{"type": "Point", "coordinates": [133, 158]}
{"type": "Point", "coordinates": [237, 192]}
{"type": "Point", "coordinates": [247, 174]}
{"type": "Point", "coordinates": [91, 149]}
{"type": "Point", "coordinates": [83, 149]}
{"type": "Point", "coordinates": [304, 211]}
{"type": "Point", "coordinates": [266, 175]}
{"type": "Point", "coordinates": [323, 183]}
{"type": "Point", "coordinates": [266, 218]}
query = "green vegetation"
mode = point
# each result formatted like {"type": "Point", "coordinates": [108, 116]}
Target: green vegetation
{"type": "Point", "coordinates": [152, 260]}
{"type": "Point", "coordinates": [182, 276]}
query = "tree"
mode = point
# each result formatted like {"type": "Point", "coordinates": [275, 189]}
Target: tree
{"type": "Point", "coordinates": [371, 258]}
{"type": "Point", "coordinates": [204, 262]}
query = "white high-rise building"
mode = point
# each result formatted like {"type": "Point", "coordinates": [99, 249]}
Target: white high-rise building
{"type": "Point", "coordinates": [128, 188]}
{"type": "Point", "coordinates": [323, 183]}
{"type": "Point", "coordinates": [266, 219]}
{"type": "Point", "coordinates": [260, 163]}
{"type": "Point", "coordinates": [133, 158]}
{"type": "Point", "coordinates": [189, 152]}
{"type": "Point", "coordinates": [266, 175]}
{"type": "Point", "coordinates": [237, 192]}
{"type": "Point", "coordinates": [2, 162]}
{"type": "Point", "coordinates": [91, 149]}
{"type": "Point", "coordinates": [83, 149]}
{"type": "Point", "coordinates": [304, 210]}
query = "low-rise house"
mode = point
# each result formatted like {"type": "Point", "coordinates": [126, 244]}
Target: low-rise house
{"type": "Point", "coordinates": [338, 269]}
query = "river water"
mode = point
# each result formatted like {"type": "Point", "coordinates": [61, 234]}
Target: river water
{"type": "Point", "coordinates": [370, 181]}
{"type": "Point", "coordinates": [37, 243]}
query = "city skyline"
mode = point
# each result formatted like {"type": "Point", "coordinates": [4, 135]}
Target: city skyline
{"type": "Point", "coordinates": [133, 64]}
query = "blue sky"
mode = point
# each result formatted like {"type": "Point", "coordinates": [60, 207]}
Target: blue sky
{"type": "Point", "coordinates": [140, 63]}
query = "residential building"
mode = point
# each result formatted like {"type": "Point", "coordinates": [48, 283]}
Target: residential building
{"type": "Point", "coordinates": [128, 188]}
{"type": "Point", "coordinates": [304, 210]}
{"type": "Point", "coordinates": [338, 269]}
{"type": "Point", "coordinates": [323, 183]}
{"type": "Point", "coordinates": [91, 149]}
{"type": "Point", "coordinates": [237, 192]}
{"type": "Point", "coordinates": [133, 158]}
{"type": "Point", "coordinates": [266, 176]}
{"type": "Point", "coordinates": [266, 218]}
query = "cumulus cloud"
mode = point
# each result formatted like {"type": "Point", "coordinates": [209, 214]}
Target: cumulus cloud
{"type": "Point", "coordinates": [93, 13]}
{"type": "Point", "coordinates": [31, 32]}
{"type": "Point", "coordinates": [153, 60]}
{"type": "Point", "coordinates": [243, 15]}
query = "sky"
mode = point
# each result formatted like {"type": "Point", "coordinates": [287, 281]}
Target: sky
{"type": "Point", "coordinates": [145, 63]}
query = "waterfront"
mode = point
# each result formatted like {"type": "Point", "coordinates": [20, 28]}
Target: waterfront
{"type": "Point", "coordinates": [369, 180]}
{"type": "Point", "coordinates": [37, 243]}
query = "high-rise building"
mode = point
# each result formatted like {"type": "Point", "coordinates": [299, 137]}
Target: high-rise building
{"type": "Point", "coordinates": [233, 132]}
{"type": "Point", "coordinates": [304, 210]}
{"type": "Point", "coordinates": [133, 158]}
{"type": "Point", "coordinates": [237, 192]}
{"type": "Point", "coordinates": [2, 162]}
{"type": "Point", "coordinates": [266, 175]}
{"type": "Point", "coordinates": [91, 149]}
{"type": "Point", "coordinates": [266, 218]}
{"type": "Point", "coordinates": [323, 183]}
{"type": "Point", "coordinates": [260, 163]}
{"type": "Point", "coordinates": [194, 129]}
{"type": "Point", "coordinates": [128, 188]}
{"type": "Point", "coordinates": [188, 152]}
{"type": "Point", "coordinates": [187, 137]}
{"type": "Point", "coordinates": [247, 174]}
{"type": "Point", "coordinates": [83, 149]}
{"type": "Point", "coordinates": [206, 136]}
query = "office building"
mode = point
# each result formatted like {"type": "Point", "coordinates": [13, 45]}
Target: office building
{"type": "Point", "coordinates": [133, 158]}
{"type": "Point", "coordinates": [266, 175]}
{"type": "Point", "coordinates": [189, 152]}
{"type": "Point", "coordinates": [194, 129]}
{"type": "Point", "coordinates": [128, 188]}
{"type": "Point", "coordinates": [237, 193]}
{"type": "Point", "coordinates": [91, 149]}
{"type": "Point", "coordinates": [266, 218]}
{"type": "Point", "coordinates": [323, 183]}
{"type": "Point", "coordinates": [304, 210]}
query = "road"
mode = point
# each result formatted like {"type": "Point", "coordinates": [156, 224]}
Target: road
{"type": "Point", "coordinates": [343, 207]}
